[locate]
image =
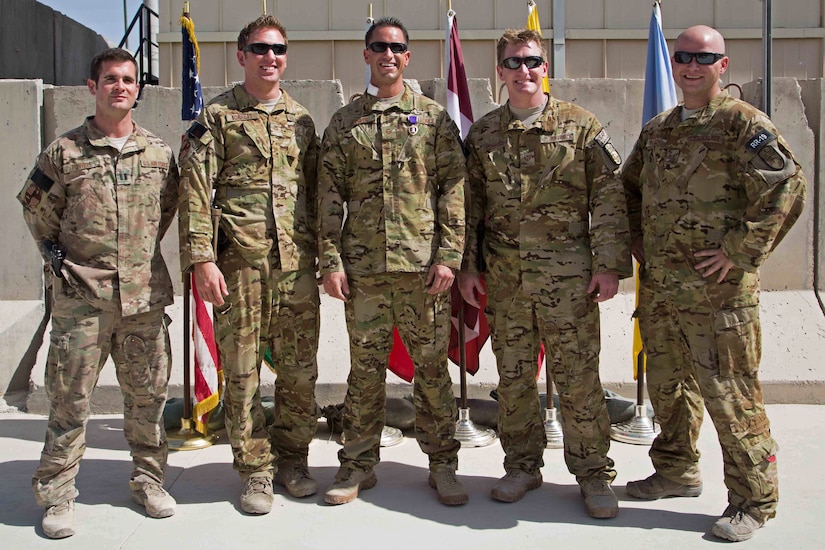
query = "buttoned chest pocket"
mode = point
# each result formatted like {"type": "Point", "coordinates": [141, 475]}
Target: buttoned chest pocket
{"type": "Point", "coordinates": [561, 165]}
{"type": "Point", "coordinates": [90, 200]}
{"type": "Point", "coordinates": [365, 141]}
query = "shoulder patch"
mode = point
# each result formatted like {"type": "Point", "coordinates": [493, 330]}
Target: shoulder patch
{"type": "Point", "coordinates": [602, 138]}
{"type": "Point", "coordinates": [759, 140]}
{"type": "Point", "coordinates": [196, 130]}
{"type": "Point", "coordinates": [41, 180]}
{"type": "Point", "coordinates": [612, 157]}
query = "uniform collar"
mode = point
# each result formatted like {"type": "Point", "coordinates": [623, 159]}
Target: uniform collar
{"type": "Point", "coordinates": [247, 102]}
{"type": "Point", "coordinates": [407, 103]}
{"type": "Point", "coordinates": [547, 120]}
{"type": "Point", "coordinates": [703, 116]}
{"type": "Point", "coordinates": [137, 139]}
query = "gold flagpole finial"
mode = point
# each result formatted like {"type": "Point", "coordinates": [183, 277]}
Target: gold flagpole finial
{"type": "Point", "coordinates": [263, 6]}
{"type": "Point", "coordinates": [449, 6]}
{"type": "Point", "coordinates": [370, 12]}
{"type": "Point", "coordinates": [186, 8]}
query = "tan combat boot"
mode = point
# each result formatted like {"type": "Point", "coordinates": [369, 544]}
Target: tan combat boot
{"type": "Point", "coordinates": [295, 477]}
{"type": "Point", "coordinates": [347, 483]}
{"type": "Point", "coordinates": [513, 486]}
{"type": "Point", "coordinates": [599, 499]}
{"type": "Point", "coordinates": [656, 487]}
{"type": "Point", "coordinates": [58, 520]}
{"type": "Point", "coordinates": [257, 494]}
{"type": "Point", "coordinates": [736, 525]}
{"type": "Point", "coordinates": [153, 497]}
{"type": "Point", "coordinates": [450, 491]}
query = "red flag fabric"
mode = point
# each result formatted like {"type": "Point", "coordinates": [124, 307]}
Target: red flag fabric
{"type": "Point", "coordinates": [400, 362]}
{"type": "Point", "coordinates": [476, 329]}
{"type": "Point", "coordinates": [458, 94]}
{"type": "Point", "coordinates": [208, 371]}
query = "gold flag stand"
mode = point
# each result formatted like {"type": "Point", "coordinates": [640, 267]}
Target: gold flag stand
{"type": "Point", "coordinates": [187, 438]}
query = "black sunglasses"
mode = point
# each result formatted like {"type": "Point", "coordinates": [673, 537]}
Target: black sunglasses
{"type": "Point", "coordinates": [260, 48]}
{"type": "Point", "coordinates": [531, 62]}
{"type": "Point", "coordinates": [702, 58]}
{"type": "Point", "coordinates": [381, 47]}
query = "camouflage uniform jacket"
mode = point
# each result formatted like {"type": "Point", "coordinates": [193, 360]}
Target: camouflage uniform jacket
{"type": "Point", "coordinates": [109, 210]}
{"type": "Point", "coordinates": [401, 174]}
{"type": "Point", "coordinates": [722, 179]}
{"type": "Point", "coordinates": [262, 167]}
{"type": "Point", "coordinates": [548, 195]}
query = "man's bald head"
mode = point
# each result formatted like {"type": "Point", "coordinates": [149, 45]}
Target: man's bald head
{"type": "Point", "coordinates": [700, 38]}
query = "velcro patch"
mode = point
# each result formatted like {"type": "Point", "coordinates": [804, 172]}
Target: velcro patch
{"type": "Point", "coordinates": [32, 196]}
{"type": "Point", "coordinates": [759, 140]}
{"type": "Point", "coordinates": [196, 130]}
{"type": "Point", "coordinates": [162, 164]}
{"type": "Point", "coordinates": [240, 117]}
{"type": "Point", "coordinates": [41, 180]}
{"type": "Point", "coordinates": [602, 138]}
{"type": "Point", "coordinates": [567, 136]}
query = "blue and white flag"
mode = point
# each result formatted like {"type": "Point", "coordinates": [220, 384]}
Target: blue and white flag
{"type": "Point", "coordinates": [660, 92]}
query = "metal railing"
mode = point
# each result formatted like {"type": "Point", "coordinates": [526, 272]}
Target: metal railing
{"type": "Point", "coordinates": [147, 72]}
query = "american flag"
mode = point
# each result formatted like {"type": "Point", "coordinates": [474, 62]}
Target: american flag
{"type": "Point", "coordinates": [208, 372]}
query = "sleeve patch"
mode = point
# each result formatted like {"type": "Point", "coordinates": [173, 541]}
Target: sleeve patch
{"type": "Point", "coordinates": [41, 180]}
{"type": "Point", "coordinates": [772, 157]}
{"type": "Point", "coordinates": [759, 140]}
{"type": "Point", "coordinates": [602, 138]}
{"type": "Point", "coordinates": [612, 157]}
{"type": "Point", "coordinates": [196, 130]}
{"type": "Point", "coordinates": [32, 196]}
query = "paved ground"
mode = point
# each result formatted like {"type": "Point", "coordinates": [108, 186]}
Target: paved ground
{"type": "Point", "coordinates": [401, 511]}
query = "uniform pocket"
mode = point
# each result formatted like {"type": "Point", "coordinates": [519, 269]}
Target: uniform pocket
{"type": "Point", "coordinates": [738, 340]}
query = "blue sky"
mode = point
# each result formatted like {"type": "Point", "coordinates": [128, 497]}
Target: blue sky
{"type": "Point", "coordinates": [103, 16]}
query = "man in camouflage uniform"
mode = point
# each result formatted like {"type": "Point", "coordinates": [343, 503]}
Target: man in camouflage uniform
{"type": "Point", "coordinates": [712, 189]}
{"type": "Point", "coordinates": [97, 203]}
{"type": "Point", "coordinates": [255, 147]}
{"type": "Point", "coordinates": [394, 158]}
{"type": "Point", "coordinates": [545, 190]}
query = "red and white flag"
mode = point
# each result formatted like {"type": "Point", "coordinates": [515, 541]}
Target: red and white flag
{"type": "Point", "coordinates": [476, 329]}
{"type": "Point", "coordinates": [458, 95]}
{"type": "Point", "coordinates": [208, 371]}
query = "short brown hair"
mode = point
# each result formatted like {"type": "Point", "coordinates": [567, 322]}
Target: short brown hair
{"type": "Point", "coordinates": [118, 55]}
{"type": "Point", "coordinates": [387, 22]}
{"type": "Point", "coordinates": [263, 22]}
{"type": "Point", "coordinates": [519, 37]}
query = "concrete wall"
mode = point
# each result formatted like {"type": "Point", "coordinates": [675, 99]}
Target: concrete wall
{"type": "Point", "coordinates": [794, 334]}
{"type": "Point", "coordinates": [38, 42]}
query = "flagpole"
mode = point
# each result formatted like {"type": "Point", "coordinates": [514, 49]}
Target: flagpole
{"type": "Point", "coordinates": [660, 94]}
{"type": "Point", "coordinates": [187, 438]}
{"type": "Point", "coordinates": [552, 426]}
{"type": "Point", "coordinates": [466, 432]}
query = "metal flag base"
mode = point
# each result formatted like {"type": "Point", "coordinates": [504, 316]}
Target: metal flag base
{"type": "Point", "coordinates": [470, 435]}
{"type": "Point", "coordinates": [552, 429]}
{"type": "Point", "coordinates": [188, 439]}
{"type": "Point", "coordinates": [639, 431]}
{"type": "Point", "coordinates": [391, 436]}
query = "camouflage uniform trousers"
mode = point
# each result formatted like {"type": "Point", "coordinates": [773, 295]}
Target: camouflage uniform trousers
{"type": "Point", "coordinates": [268, 308]}
{"type": "Point", "coordinates": [700, 355]}
{"type": "Point", "coordinates": [82, 338]}
{"type": "Point", "coordinates": [376, 304]}
{"type": "Point", "coordinates": [520, 321]}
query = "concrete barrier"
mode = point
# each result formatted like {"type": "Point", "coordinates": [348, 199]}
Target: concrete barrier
{"type": "Point", "coordinates": [793, 324]}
